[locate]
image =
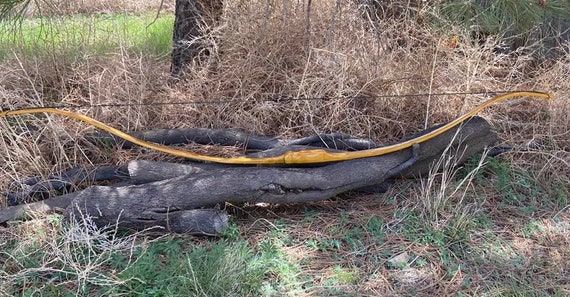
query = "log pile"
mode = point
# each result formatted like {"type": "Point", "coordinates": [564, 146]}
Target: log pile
{"type": "Point", "coordinates": [182, 198]}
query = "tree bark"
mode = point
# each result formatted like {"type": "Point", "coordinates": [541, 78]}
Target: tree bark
{"type": "Point", "coordinates": [189, 14]}
{"type": "Point", "coordinates": [152, 203]}
{"type": "Point", "coordinates": [174, 196]}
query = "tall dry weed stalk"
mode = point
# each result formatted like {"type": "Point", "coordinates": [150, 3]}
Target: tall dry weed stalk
{"type": "Point", "coordinates": [442, 192]}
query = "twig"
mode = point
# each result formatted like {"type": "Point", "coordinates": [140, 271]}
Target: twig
{"type": "Point", "coordinates": [157, 14]}
{"type": "Point", "coordinates": [308, 37]}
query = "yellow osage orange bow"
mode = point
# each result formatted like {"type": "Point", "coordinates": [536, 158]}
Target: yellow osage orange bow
{"type": "Point", "coordinates": [311, 156]}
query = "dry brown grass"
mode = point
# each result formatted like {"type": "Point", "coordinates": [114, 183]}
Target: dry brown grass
{"type": "Point", "coordinates": [259, 54]}
{"type": "Point", "coordinates": [37, 147]}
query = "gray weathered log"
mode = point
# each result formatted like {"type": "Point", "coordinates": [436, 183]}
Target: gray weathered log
{"type": "Point", "coordinates": [142, 171]}
{"type": "Point", "coordinates": [227, 137]}
{"type": "Point", "coordinates": [151, 202]}
{"type": "Point", "coordinates": [233, 137]}
{"type": "Point", "coordinates": [336, 141]}
{"type": "Point", "coordinates": [62, 182]}
{"type": "Point", "coordinates": [39, 187]}
{"type": "Point", "coordinates": [169, 190]}
{"type": "Point", "coordinates": [193, 221]}
{"type": "Point", "coordinates": [52, 205]}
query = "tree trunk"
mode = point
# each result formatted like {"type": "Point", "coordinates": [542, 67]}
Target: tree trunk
{"type": "Point", "coordinates": [190, 16]}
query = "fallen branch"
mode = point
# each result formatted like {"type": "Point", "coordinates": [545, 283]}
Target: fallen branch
{"type": "Point", "coordinates": [164, 192]}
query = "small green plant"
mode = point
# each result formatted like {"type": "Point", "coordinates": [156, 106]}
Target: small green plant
{"type": "Point", "coordinates": [285, 275]}
{"type": "Point", "coordinates": [340, 276]}
{"type": "Point", "coordinates": [231, 232]}
{"type": "Point", "coordinates": [531, 228]}
{"type": "Point", "coordinates": [520, 188]}
{"type": "Point", "coordinates": [376, 228]}
{"type": "Point", "coordinates": [329, 244]}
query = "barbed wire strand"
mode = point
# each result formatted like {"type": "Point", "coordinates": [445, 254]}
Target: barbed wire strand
{"type": "Point", "coordinates": [275, 99]}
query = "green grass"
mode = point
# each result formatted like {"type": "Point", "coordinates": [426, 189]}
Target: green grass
{"type": "Point", "coordinates": [85, 261]}
{"type": "Point", "coordinates": [88, 35]}
{"type": "Point", "coordinates": [175, 268]}
{"type": "Point", "coordinates": [522, 188]}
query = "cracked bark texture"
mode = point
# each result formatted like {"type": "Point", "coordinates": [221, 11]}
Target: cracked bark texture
{"type": "Point", "coordinates": [179, 197]}
{"type": "Point", "coordinates": [156, 202]}
{"type": "Point", "coordinates": [189, 17]}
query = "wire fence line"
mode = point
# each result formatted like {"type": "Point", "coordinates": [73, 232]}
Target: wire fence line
{"type": "Point", "coordinates": [275, 99]}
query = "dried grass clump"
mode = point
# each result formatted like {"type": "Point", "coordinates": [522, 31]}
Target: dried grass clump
{"type": "Point", "coordinates": [117, 78]}
{"type": "Point", "coordinates": [263, 52]}
{"type": "Point", "coordinates": [558, 115]}
{"type": "Point", "coordinates": [80, 251]}
{"type": "Point", "coordinates": [37, 145]}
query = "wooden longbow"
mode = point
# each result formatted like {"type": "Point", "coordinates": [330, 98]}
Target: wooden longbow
{"type": "Point", "coordinates": [311, 156]}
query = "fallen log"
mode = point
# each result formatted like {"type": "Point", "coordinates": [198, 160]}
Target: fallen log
{"type": "Point", "coordinates": [164, 193]}
{"type": "Point", "coordinates": [232, 137]}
